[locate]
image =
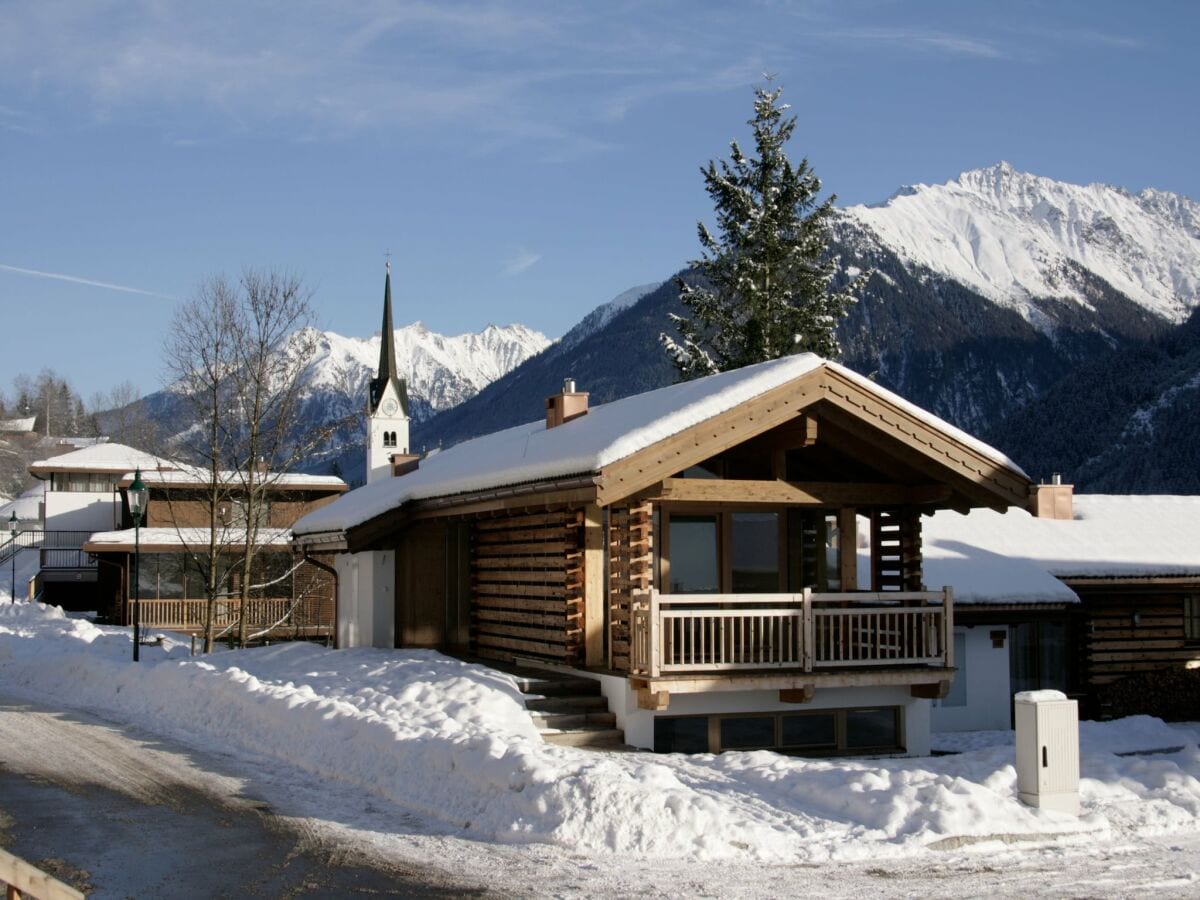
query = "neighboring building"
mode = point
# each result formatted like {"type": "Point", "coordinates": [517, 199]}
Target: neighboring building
{"type": "Point", "coordinates": [79, 497]}
{"type": "Point", "coordinates": [175, 541]}
{"type": "Point", "coordinates": [693, 548]}
{"type": "Point", "coordinates": [1084, 591]}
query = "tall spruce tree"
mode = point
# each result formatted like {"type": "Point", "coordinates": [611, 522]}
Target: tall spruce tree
{"type": "Point", "coordinates": [764, 285]}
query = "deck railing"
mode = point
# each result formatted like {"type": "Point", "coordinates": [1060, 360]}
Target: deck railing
{"type": "Point", "coordinates": [804, 632]}
{"type": "Point", "coordinates": [190, 614]}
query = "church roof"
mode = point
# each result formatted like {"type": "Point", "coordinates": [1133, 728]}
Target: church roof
{"type": "Point", "coordinates": [387, 373]}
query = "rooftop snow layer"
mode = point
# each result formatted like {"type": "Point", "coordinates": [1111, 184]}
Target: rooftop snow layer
{"type": "Point", "coordinates": [1110, 536]}
{"type": "Point", "coordinates": [182, 537]}
{"type": "Point", "coordinates": [609, 432]}
{"type": "Point", "coordinates": [105, 457]}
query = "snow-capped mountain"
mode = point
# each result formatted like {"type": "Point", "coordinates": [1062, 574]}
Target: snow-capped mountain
{"type": "Point", "coordinates": [1014, 237]}
{"type": "Point", "coordinates": [604, 313]}
{"type": "Point", "coordinates": [442, 370]}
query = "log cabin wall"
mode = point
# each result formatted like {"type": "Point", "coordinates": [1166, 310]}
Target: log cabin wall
{"type": "Point", "coordinates": [631, 568]}
{"type": "Point", "coordinates": [527, 587]}
{"type": "Point", "coordinates": [1116, 645]}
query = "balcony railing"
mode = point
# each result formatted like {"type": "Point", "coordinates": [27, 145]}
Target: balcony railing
{"type": "Point", "coordinates": [189, 614]}
{"type": "Point", "coordinates": [674, 633]}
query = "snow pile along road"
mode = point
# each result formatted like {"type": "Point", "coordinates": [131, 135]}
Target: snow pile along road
{"type": "Point", "coordinates": [452, 741]}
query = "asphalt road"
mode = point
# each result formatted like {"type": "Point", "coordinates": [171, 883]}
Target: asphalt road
{"type": "Point", "coordinates": [118, 813]}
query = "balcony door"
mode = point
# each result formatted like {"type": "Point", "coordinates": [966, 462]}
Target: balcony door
{"type": "Point", "coordinates": [721, 553]}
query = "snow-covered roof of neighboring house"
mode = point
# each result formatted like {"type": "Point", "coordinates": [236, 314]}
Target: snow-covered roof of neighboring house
{"type": "Point", "coordinates": [23, 424]}
{"type": "Point", "coordinates": [166, 539]}
{"type": "Point", "coordinates": [26, 506]}
{"type": "Point", "coordinates": [193, 475]}
{"type": "Point", "coordinates": [608, 433]}
{"type": "Point", "coordinates": [1110, 537]}
{"type": "Point", "coordinates": [103, 457]}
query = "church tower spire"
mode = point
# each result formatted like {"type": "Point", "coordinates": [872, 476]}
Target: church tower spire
{"type": "Point", "coordinates": [387, 400]}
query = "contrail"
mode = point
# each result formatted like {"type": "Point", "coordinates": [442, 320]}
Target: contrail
{"type": "Point", "coordinates": [71, 278]}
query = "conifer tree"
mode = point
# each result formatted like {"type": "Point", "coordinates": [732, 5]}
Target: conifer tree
{"type": "Point", "coordinates": [764, 284]}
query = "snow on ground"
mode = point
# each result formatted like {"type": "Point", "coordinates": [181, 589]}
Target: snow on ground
{"type": "Point", "coordinates": [451, 742]}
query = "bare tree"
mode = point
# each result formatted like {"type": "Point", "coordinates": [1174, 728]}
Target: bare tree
{"type": "Point", "coordinates": [239, 353]}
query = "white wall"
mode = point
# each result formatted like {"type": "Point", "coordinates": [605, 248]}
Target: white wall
{"type": "Point", "coordinates": [366, 599]}
{"type": "Point", "coordinates": [89, 511]}
{"type": "Point", "coordinates": [638, 724]}
{"type": "Point", "coordinates": [983, 672]}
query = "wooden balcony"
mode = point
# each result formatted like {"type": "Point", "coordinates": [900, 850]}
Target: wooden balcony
{"type": "Point", "coordinates": [274, 617]}
{"type": "Point", "coordinates": [791, 633]}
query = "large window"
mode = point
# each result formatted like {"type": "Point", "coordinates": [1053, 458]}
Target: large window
{"type": "Point", "coordinates": [1191, 618]}
{"type": "Point", "coordinates": [176, 576]}
{"type": "Point", "coordinates": [823, 732]}
{"type": "Point", "coordinates": [743, 552]}
{"type": "Point", "coordinates": [82, 482]}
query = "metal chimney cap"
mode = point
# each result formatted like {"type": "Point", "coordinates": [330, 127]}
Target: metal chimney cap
{"type": "Point", "coordinates": [568, 386]}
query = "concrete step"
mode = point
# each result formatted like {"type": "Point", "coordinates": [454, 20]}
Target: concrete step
{"type": "Point", "coordinates": [557, 721]}
{"type": "Point", "coordinates": [558, 687]}
{"type": "Point", "coordinates": [595, 737]}
{"type": "Point", "coordinates": [567, 704]}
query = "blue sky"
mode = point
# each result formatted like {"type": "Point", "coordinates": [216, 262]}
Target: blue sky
{"type": "Point", "coordinates": [524, 161]}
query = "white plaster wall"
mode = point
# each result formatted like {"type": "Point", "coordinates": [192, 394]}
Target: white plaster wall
{"type": "Point", "coordinates": [382, 601]}
{"type": "Point", "coordinates": [985, 673]}
{"type": "Point", "coordinates": [638, 724]}
{"type": "Point", "coordinates": [348, 632]}
{"type": "Point", "coordinates": [80, 511]}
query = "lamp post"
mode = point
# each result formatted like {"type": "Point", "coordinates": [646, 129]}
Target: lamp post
{"type": "Point", "coordinates": [12, 537]}
{"type": "Point", "coordinates": [137, 495]}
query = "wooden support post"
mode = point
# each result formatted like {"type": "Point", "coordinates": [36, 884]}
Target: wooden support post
{"type": "Point", "coordinates": [808, 630]}
{"type": "Point", "coordinates": [948, 624]}
{"type": "Point", "coordinates": [848, 549]}
{"type": "Point", "coordinates": [593, 586]}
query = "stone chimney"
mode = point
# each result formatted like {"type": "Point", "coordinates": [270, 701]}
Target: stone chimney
{"type": "Point", "coordinates": [403, 463]}
{"type": "Point", "coordinates": [1053, 500]}
{"type": "Point", "coordinates": [566, 405]}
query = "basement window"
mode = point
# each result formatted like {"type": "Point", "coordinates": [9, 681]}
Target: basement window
{"type": "Point", "coordinates": [1191, 618]}
{"type": "Point", "coordinates": [825, 732]}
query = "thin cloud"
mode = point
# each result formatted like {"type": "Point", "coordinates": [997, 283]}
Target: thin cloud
{"type": "Point", "coordinates": [519, 263]}
{"type": "Point", "coordinates": [917, 39]}
{"type": "Point", "coordinates": [73, 279]}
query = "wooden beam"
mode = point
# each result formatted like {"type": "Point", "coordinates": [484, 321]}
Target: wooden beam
{"type": "Point", "coordinates": [708, 438]}
{"type": "Point", "coordinates": [938, 690]}
{"type": "Point", "coordinates": [593, 585]}
{"type": "Point", "coordinates": [798, 695]}
{"type": "Point", "coordinates": [832, 494]}
{"type": "Point", "coordinates": [648, 699]}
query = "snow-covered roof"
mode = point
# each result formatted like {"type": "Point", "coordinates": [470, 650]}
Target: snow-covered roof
{"type": "Point", "coordinates": [105, 457]}
{"type": "Point", "coordinates": [152, 539]}
{"type": "Point", "coordinates": [608, 433]}
{"type": "Point", "coordinates": [22, 424]}
{"type": "Point", "coordinates": [993, 554]}
{"type": "Point", "coordinates": [193, 475]}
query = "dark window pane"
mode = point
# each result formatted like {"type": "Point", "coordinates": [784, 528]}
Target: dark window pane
{"type": "Point", "coordinates": [748, 733]}
{"type": "Point", "coordinates": [170, 576]}
{"type": "Point", "coordinates": [871, 728]}
{"type": "Point", "coordinates": [687, 734]}
{"type": "Point", "coordinates": [147, 577]}
{"type": "Point", "coordinates": [809, 731]}
{"type": "Point", "coordinates": [694, 555]}
{"type": "Point", "coordinates": [755, 553]}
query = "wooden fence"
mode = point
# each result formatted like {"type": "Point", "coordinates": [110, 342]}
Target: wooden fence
{"type": "Point", "coordinates": [25, 880]}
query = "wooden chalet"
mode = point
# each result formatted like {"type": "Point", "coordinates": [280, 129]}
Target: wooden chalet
{"type": "Point", "coordinates": [693, 548]}
{"type": "Point", "coordinates": [296, 596]}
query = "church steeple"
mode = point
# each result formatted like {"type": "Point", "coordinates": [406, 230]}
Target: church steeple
{"type": "Point", "coordinates": [387, 374]}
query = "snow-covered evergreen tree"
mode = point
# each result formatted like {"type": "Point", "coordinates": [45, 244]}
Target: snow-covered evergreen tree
{"type": "Point", "coordinates": [762, 289]}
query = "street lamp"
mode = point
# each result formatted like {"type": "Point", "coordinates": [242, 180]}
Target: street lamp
{"type": "Point", "coordinates": [137, 495]}
{"type": "Point", "coordinates": [12, 539]}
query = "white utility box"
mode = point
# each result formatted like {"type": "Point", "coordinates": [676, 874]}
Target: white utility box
{"type": "Point", "coordinates": [1047, 750]}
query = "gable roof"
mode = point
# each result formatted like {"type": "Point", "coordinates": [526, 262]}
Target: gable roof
{"type": "Point", "coordinates": [1109, 537]}
{"type": "Point", "coordinates": [617, 432]}
{"type": "Point", "coordinates": [107, 457]}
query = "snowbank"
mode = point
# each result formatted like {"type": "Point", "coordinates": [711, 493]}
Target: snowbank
{"type": "Point", "coordinates": [452, 741]}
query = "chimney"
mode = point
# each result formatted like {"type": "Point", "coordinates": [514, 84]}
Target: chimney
{"type": "Point", "coordinates": [566, 405]}
{"type": "Point", "coordinates": [1053, 500]}
{"type": "Point", "coordinates": [403, 463]}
